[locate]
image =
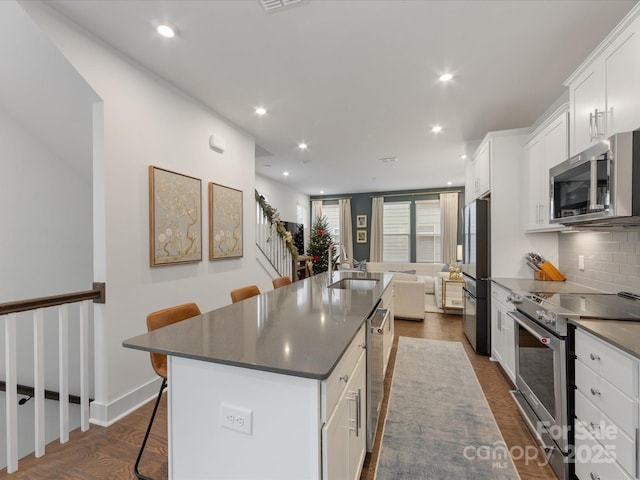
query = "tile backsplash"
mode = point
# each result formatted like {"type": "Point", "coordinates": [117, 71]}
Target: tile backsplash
{"type": "Point", "coordinates": [611, 259]}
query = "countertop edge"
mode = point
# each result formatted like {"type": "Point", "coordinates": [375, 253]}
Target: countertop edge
{"type": "Point", "coordinates": [252, 366]}
{"type": "Point", "coordinates": [580, 323]}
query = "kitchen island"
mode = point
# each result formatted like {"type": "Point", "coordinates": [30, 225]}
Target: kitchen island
{"type": "Point", "coordinates": [273, 386]}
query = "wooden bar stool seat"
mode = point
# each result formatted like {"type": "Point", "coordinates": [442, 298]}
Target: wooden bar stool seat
{"type": "Point", "coordinates": [281, 282]}
{"type": "Point", "coordinates": [244, 292]}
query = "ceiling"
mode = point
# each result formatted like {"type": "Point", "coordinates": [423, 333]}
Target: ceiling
{"type": "Point", "coordinates": [358, 80]}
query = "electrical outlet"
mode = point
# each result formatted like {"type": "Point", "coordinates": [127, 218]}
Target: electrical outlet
{"type": "Point", "coordinates": [236, 418]}
{"type": "Point", "coordinates": [581, 262]}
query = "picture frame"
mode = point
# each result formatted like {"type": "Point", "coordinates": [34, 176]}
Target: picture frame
{"type": "Point", "coordinates": [361, 221]}
{"type": "Point", "coordinates": [225, 222]}
{"type": "Point", "coordinates": [361, 236]}
{"type": "Point", "coordinates": [175, 218]}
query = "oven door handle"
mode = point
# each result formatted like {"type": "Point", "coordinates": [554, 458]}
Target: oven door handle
{"type": "Point", "coordinates": [543, 336]}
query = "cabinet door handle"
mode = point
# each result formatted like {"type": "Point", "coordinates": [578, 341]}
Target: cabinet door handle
{"type": "Point", "coordinates": [591, 136]}
{"type": "Point", "coordinates": [363, 346]}
{"type": "Point", "coordinates": [595, 392]}
{"type": "Point", "coordinates": [594, 356]}
{"type": "Point", "coordinates": [345, 378]}
{"type": "Point", "coordinates": [594, 476]}
{"type": "Point", "coordinates": [358, 412]}
{"type": "Point", "coordinates": [596, 124]}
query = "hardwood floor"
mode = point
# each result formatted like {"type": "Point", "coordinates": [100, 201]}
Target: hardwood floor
{"type": "Point", "coordinates": [109, 453]}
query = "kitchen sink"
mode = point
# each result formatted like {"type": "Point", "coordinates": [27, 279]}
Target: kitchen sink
{"type": "Point", "coordinates": [355, 284]}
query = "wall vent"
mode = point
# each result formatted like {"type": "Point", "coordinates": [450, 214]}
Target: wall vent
{"type": "Point", "coordinates": [272, 5]}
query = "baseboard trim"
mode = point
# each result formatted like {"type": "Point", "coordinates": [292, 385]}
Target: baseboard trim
{"type": "Point", "coordinates": [105, 414]}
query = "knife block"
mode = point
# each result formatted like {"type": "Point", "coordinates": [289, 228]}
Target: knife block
{"type": "Point", "coordinates": [550, 270]}
{"type": "Point", "coordinates": [540, 275]}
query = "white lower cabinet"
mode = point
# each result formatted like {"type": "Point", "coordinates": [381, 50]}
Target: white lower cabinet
{"type": "Point", "coordinates": [344, 434]}
{"type": "Point", "coordinates": [606, 410]}
{"type": "Point", "coordinates": [503, 342]}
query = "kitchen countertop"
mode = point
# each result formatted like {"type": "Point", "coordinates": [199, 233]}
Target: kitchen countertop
{"type": "Point", "coordinates": [529, 285]}
{"type": "Point", "coordinates": [301, 329]}
{"type": "Point", "coordinates": [620, 333]}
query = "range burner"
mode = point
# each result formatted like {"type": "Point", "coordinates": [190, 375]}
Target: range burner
{"type": "Point", "coordinates": [552, 310]}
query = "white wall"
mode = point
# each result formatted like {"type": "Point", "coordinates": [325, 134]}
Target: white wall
{"type": "Point", "coordinates": [147, 122]}
{"type": "Point", "coordinates": [45, 202]}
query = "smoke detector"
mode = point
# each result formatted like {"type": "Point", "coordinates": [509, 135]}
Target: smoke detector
{"type": "Point", "coordinates": [388, 160]}
{"type": "Point", "coordinates": [272, 5]}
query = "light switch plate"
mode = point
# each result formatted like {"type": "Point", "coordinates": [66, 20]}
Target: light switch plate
{"type": "Point", "coordinates": [581, 262]}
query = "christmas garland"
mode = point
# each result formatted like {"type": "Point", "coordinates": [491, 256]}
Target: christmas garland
{"type": "Point", "coordinates": [278, 225]}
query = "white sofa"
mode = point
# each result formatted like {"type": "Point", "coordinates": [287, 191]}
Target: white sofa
{"type": "Point", "coordinates": [409, 287]}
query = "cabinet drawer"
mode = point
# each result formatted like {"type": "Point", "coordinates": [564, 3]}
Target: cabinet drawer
{"type": "Point", "coordinates": [592, 461]}
{"type": "Point", "coordinates": [500, 294]}
{"type": "Point", "coordinates": [611, 401]}
{"type": "Point", "coordinates": [623, 447]}
{"type": "Point", "coordinates": [333, 386]}
{"type": "Point", "coordinates": [609, 362]}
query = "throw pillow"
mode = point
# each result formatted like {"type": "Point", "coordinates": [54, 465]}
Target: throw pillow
{"type": "Point", "coordinates": [360, 265]}
{"type": "Point", "coordinates": [445, 268]}
{"type": "Point", "coordinates": [410, 272]}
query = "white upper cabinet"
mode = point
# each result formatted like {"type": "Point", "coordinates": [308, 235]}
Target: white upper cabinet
{"type": "Point", "coordinates": [603, 93]}
{"type": "Point", "coordinates": [546, 148]}
{"type": "Point", "coordinates": [478, 178]}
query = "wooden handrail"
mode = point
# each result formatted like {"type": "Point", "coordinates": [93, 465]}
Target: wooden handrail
{"type": "Point", "coordinates": [97, 294]}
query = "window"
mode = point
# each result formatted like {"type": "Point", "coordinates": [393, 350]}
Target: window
{"type": "Point", "coordinates": [332, 213]}
{"type": "Point", "coordinates": [396, 230]}
{"type": "Point", "coordinates": [428, 244]}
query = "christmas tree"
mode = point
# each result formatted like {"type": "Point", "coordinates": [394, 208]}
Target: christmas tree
{"type": "Point", "coordinates": [319, 242]}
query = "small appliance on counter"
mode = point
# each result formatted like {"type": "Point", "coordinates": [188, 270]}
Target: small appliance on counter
{"type": "Point", "coordinates": [543, 269]}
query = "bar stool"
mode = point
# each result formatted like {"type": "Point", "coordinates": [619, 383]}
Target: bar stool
{"type": "Point", "coordinates": [155, 320]}
{"type": "Point", "coordinates": [281, 282]}
{"type": "Point", "coordinates": [244, 292]}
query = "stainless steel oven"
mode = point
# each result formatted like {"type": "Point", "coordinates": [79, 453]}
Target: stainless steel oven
{"type": "Point", "coordinates": [541, 378]}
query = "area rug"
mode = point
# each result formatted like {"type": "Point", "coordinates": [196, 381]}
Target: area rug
{"type": "Point", "coordinates": [438, 424]}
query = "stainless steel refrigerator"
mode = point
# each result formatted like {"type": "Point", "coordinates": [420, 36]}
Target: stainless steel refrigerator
{"type": "Point", "coordinates": [476, 269]}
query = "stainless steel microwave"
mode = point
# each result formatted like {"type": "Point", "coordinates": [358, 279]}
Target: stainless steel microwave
{"type": "Point", "coordinates": [596, 187]}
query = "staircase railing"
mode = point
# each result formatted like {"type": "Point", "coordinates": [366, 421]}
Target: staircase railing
{"type": "Point", "coordinates": [271, 245]}
{"type": "Point", "coordinates": [38, 393]}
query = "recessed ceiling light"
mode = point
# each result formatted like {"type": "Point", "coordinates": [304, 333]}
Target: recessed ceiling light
{"type": "Point", "coordinates": [285, 173]}
{"type": "Point", "coordinates": [449, 183]}
{"type": "Point", "coordinates": [463, 156]}
{"type": "Point", "coordinates": [303, 146]}
{"type": "Point", "coordinates": [166, 31]}
{"type": "Point", "coordinates": [436, 129]}
{"type": "Point", "coordinates": [445, 77]}
{"type": "Point", "coordinates": [321, 192]}
{"type": "Point", "coordinates": [261, 111]}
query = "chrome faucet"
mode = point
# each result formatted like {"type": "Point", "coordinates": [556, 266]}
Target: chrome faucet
{"type": "Point", "coordinates": [329, 256]}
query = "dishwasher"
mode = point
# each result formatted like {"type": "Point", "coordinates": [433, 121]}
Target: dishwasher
{"type": "Point", "coordinates": [376, 325]}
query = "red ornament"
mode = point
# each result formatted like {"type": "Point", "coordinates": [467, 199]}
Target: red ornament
{"type": "Point", "coordinates": [320, 232]}
{"type": "Point", "coordinates": [316, 258]}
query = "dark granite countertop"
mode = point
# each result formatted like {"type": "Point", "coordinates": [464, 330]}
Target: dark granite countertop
{"type": "Point", "coordinates": [302, 329]}
{"type": "Point", "coordinates": [624, 334]}
{"type": "Point", "coordinates": [520, 285]}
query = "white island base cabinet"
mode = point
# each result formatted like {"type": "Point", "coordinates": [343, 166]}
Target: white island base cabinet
{"type": "Point", "coordinates": [228, 422]}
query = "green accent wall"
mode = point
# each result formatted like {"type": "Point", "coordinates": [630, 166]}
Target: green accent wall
{"type": "Point", "coordinates": [361, 205]}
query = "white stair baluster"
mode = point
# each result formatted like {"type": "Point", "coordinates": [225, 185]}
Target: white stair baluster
{"type": "Point", "coordinates": [11, 396]}
{"type": "Point", "coordinates": [38, 381]}
{"type": "Point", "coordinates": [63, 371]}
{"type": "Point", "coordinates": [84, 365]}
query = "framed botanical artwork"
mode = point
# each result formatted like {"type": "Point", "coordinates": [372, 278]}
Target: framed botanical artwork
{"type": "Point", "coordinates": [361, 221]}
{"type": "Point", "coordinates": [361, 236]}
{"type": "Point", "coordinates": [175, 218]}
{"type": "Point", "coordinates": [225, 222]}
